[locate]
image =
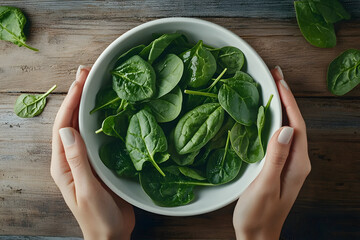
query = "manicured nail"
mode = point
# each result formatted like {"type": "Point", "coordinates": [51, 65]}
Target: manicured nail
{"type": "Point", "coordinates": [81, 67]}
{"type": "Point", "coordinates": [282, 81]}
{"type": "Point", "coordinates": [67, 137]}
{"type": "Point", "coordinates": [72, 85]}
{"type": "Point", "coordinates": [280, 71]}
{"type": "Point", "coordinates": [285, 135]}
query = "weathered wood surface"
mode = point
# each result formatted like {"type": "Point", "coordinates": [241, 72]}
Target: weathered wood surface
{"type": "Point", "coordinates": [69, 33]}
{"type": "Point", "coordinates": [30, 200]}
{"type": "Point", "coordinates": [66, 42]}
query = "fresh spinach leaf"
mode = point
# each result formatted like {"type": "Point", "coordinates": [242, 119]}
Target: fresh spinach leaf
{"type": "Point", "coordinates": [231, 58]}
{"type": "Point", "coordinates": [130, 53]}
{"type": "Point", "coordinates": [197, 127]}
{"type": "Point", "coordinates": [223, 165]}
{"type": "Point", "coordinates": [12, 23]}
{"type": "Point", "coordinates": [344, 72]}
{"type": "Point", "coordinates": [192, 173]}
{"type": "Point", "coordinates": [331, 10]}
{"type": "Point", "coordinates": [168, 107]}
{"type": "Point", "coordinates": [181, 160]}
{"type": "Point", "coordinates": [28, 105]}
{"type": "Point", "coordinates": [240, 99]}
{"type": "Point", "coordinates": [199, 66]}
{"type": "Point", "coordinates": [170, 191]}
{"type": "Point", "coordinates": [156, 47]}
{"type": "Point", "coordinates": [134, 80]}
{"type": "Point", "coordinates": [144, 139]}
{"type": "Point", "coordinates": [115, 156]}
{"type": "Point", "coordinates": [313, 26]}
{"type": "Point", "coordinates": [168, 74]}
{"type": "Point", "coordinates": [247, 140]}
{"type": "Point", "coordinates": [116, 125]}
{"type": "Point", "coordinates": [106, 99]}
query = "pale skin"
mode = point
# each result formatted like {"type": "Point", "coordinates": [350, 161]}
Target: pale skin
{"type": "Point", "coordinates": [259, 214]}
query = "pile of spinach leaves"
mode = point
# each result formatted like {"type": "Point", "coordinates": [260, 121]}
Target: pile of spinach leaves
{"type": "Point", "coordinates": [180, 115]}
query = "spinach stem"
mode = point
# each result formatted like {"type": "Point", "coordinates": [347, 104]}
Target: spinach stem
{"type": "Point", "coordinates": [216, 80]}
{"type": "Point", "coordinates": [206, 94]}
{"type": "Point", "coordinates": [269, 101]}
{"type": "Point", "coordinates": [226, 148]}
{"type": "Point", "coordinates": [106, 104]}
{"type": "Point", "coordinates": [31, 48]}
{"type": "Point", "coordinates": [99, 131]}
{"type": "Point", "coordinates": [49, 91]}
{"type": "Point", "coordinates": [157, 167]}
{"type": "Point", "coordinates": [123, 104]}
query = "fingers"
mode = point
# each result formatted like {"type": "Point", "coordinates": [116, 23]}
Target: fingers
{"type": "Point", "coordinates": [76, 156]}
{"type": "Point", "coordinates": [277, 153]}
{"type": "Point", "coordinates": [287, 98]}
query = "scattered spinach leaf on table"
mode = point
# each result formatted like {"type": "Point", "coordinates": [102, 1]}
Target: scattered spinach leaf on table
{"type": "Point", "coordinates": [28, 105]}
{"type": "Point", "coordinates": [12, 23]}
{"type": "Point", "coordinates": [344, 72]}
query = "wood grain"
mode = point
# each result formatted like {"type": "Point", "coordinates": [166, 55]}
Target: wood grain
{"type": "Point", "coordinates": [67, 39]}
{"type": "Point", "coordinates": [30, 200]}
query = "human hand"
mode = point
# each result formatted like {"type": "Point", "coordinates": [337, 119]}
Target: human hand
{"type": "Point", "coordinates": [263, 207]}
{"type": "Point", "coordinates": [100, 214]}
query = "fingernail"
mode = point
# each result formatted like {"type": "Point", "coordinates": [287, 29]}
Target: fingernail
{"type": "Point", "coordinates": [72, 85]}
{"type": "Point", "coordinates": [67, 137]}
{"type": "Point", "coordinates": [285, 135]}
{"type": "Point", "coordinates": [280, 71]}
{"type": "Point", "coordinates": [81, 67]}
{"type": "Point", "coordinates": [282, 81]}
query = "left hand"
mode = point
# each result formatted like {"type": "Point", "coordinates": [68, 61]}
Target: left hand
{"type": "Point", "coordinates": [100, 214]}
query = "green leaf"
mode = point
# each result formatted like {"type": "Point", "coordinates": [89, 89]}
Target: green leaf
{"type": "Point", "coordinates": [12, 23]}
{"type": "Point", "coordinates": [134, 80]}
{"type": "Point", "coordinates": [199, 66]}
{"type": "Point", "coordinates": [130, 53]}
{"type": "Point", "coordinates": [231, 58]}
{"type": "Point", "coordinates": [28, 106]}
{"type": "Point", "coordinates": [344, 72]}
{"type": "Point", "coordinates": [197, 127]}
{"type": "Point", "coordinates": [331, 10]}
{"type": "Point", "coordinates": [313, 26]}
{"type": "Point", "coordinates": [156, 47]}
{"type": "Point", "coordinates": [145, 138]}
{"type": "Point", "coordinates": [115, 157]}
{"type": "Point", "coordinates": [168, 107]}
{"type": "Point", "coordinates": [240, 99]}
{"type": "Point", "coordinates": [168, 74]}
{"type": "Point", "coordinates": [192, 173]}
{"type": "Point", "coordinates": [106, 99]}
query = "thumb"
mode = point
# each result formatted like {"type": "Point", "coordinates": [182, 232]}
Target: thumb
{"type": "Point", "coordinates": [76, 156]}
{"type": "Point", "coordinates": [277, 152]}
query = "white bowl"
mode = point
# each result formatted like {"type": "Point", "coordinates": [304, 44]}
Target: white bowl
{"type": "Point", "coordinates": [207, 198]}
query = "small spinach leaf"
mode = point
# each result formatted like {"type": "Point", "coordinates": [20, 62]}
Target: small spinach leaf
{"type": "Point", "coordinates": [199, 66]}
{"type": "Point", "coordinates": [344, 72]}
{"type": "Point", "coordinates": [106, 99]}
{"type": "Point", "coordinates": [12, 23]}
{"type": "Point", "coordinates": [168, 74]}
{"type": "Point", "coordinates": [115, 156]}
{"type": "Point", "coordinates": [240, 99]}
{"type": "Point", "coordinates": [28, 105]}
{"type": "Point", "coordinates": [181, 160]}
{"type": "Point", "coordinates": [144, 138]}
{"type": "Point", "coordinates": [168, 107]}
{"type": "Point", "coordinates": [156, 47]}
{"type": "Point", "coordinates": [134, 80]}
{"type": "Point", "coordinates": [197, 127]}
{"type": "Point", "coordinates": [223, 165]}
{"type": "Point", "coordinates": [192, 173]}
{"type": "Point", "coordinates": [231, 58]}
{"type": "Point", "coordinates": [131, 52]}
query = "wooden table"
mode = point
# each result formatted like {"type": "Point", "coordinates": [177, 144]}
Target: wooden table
{"type": "Point", "coordinates": [69, 33]}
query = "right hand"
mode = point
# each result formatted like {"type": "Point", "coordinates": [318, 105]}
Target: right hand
{"type": "Point", "coordinates": [263, 207]}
